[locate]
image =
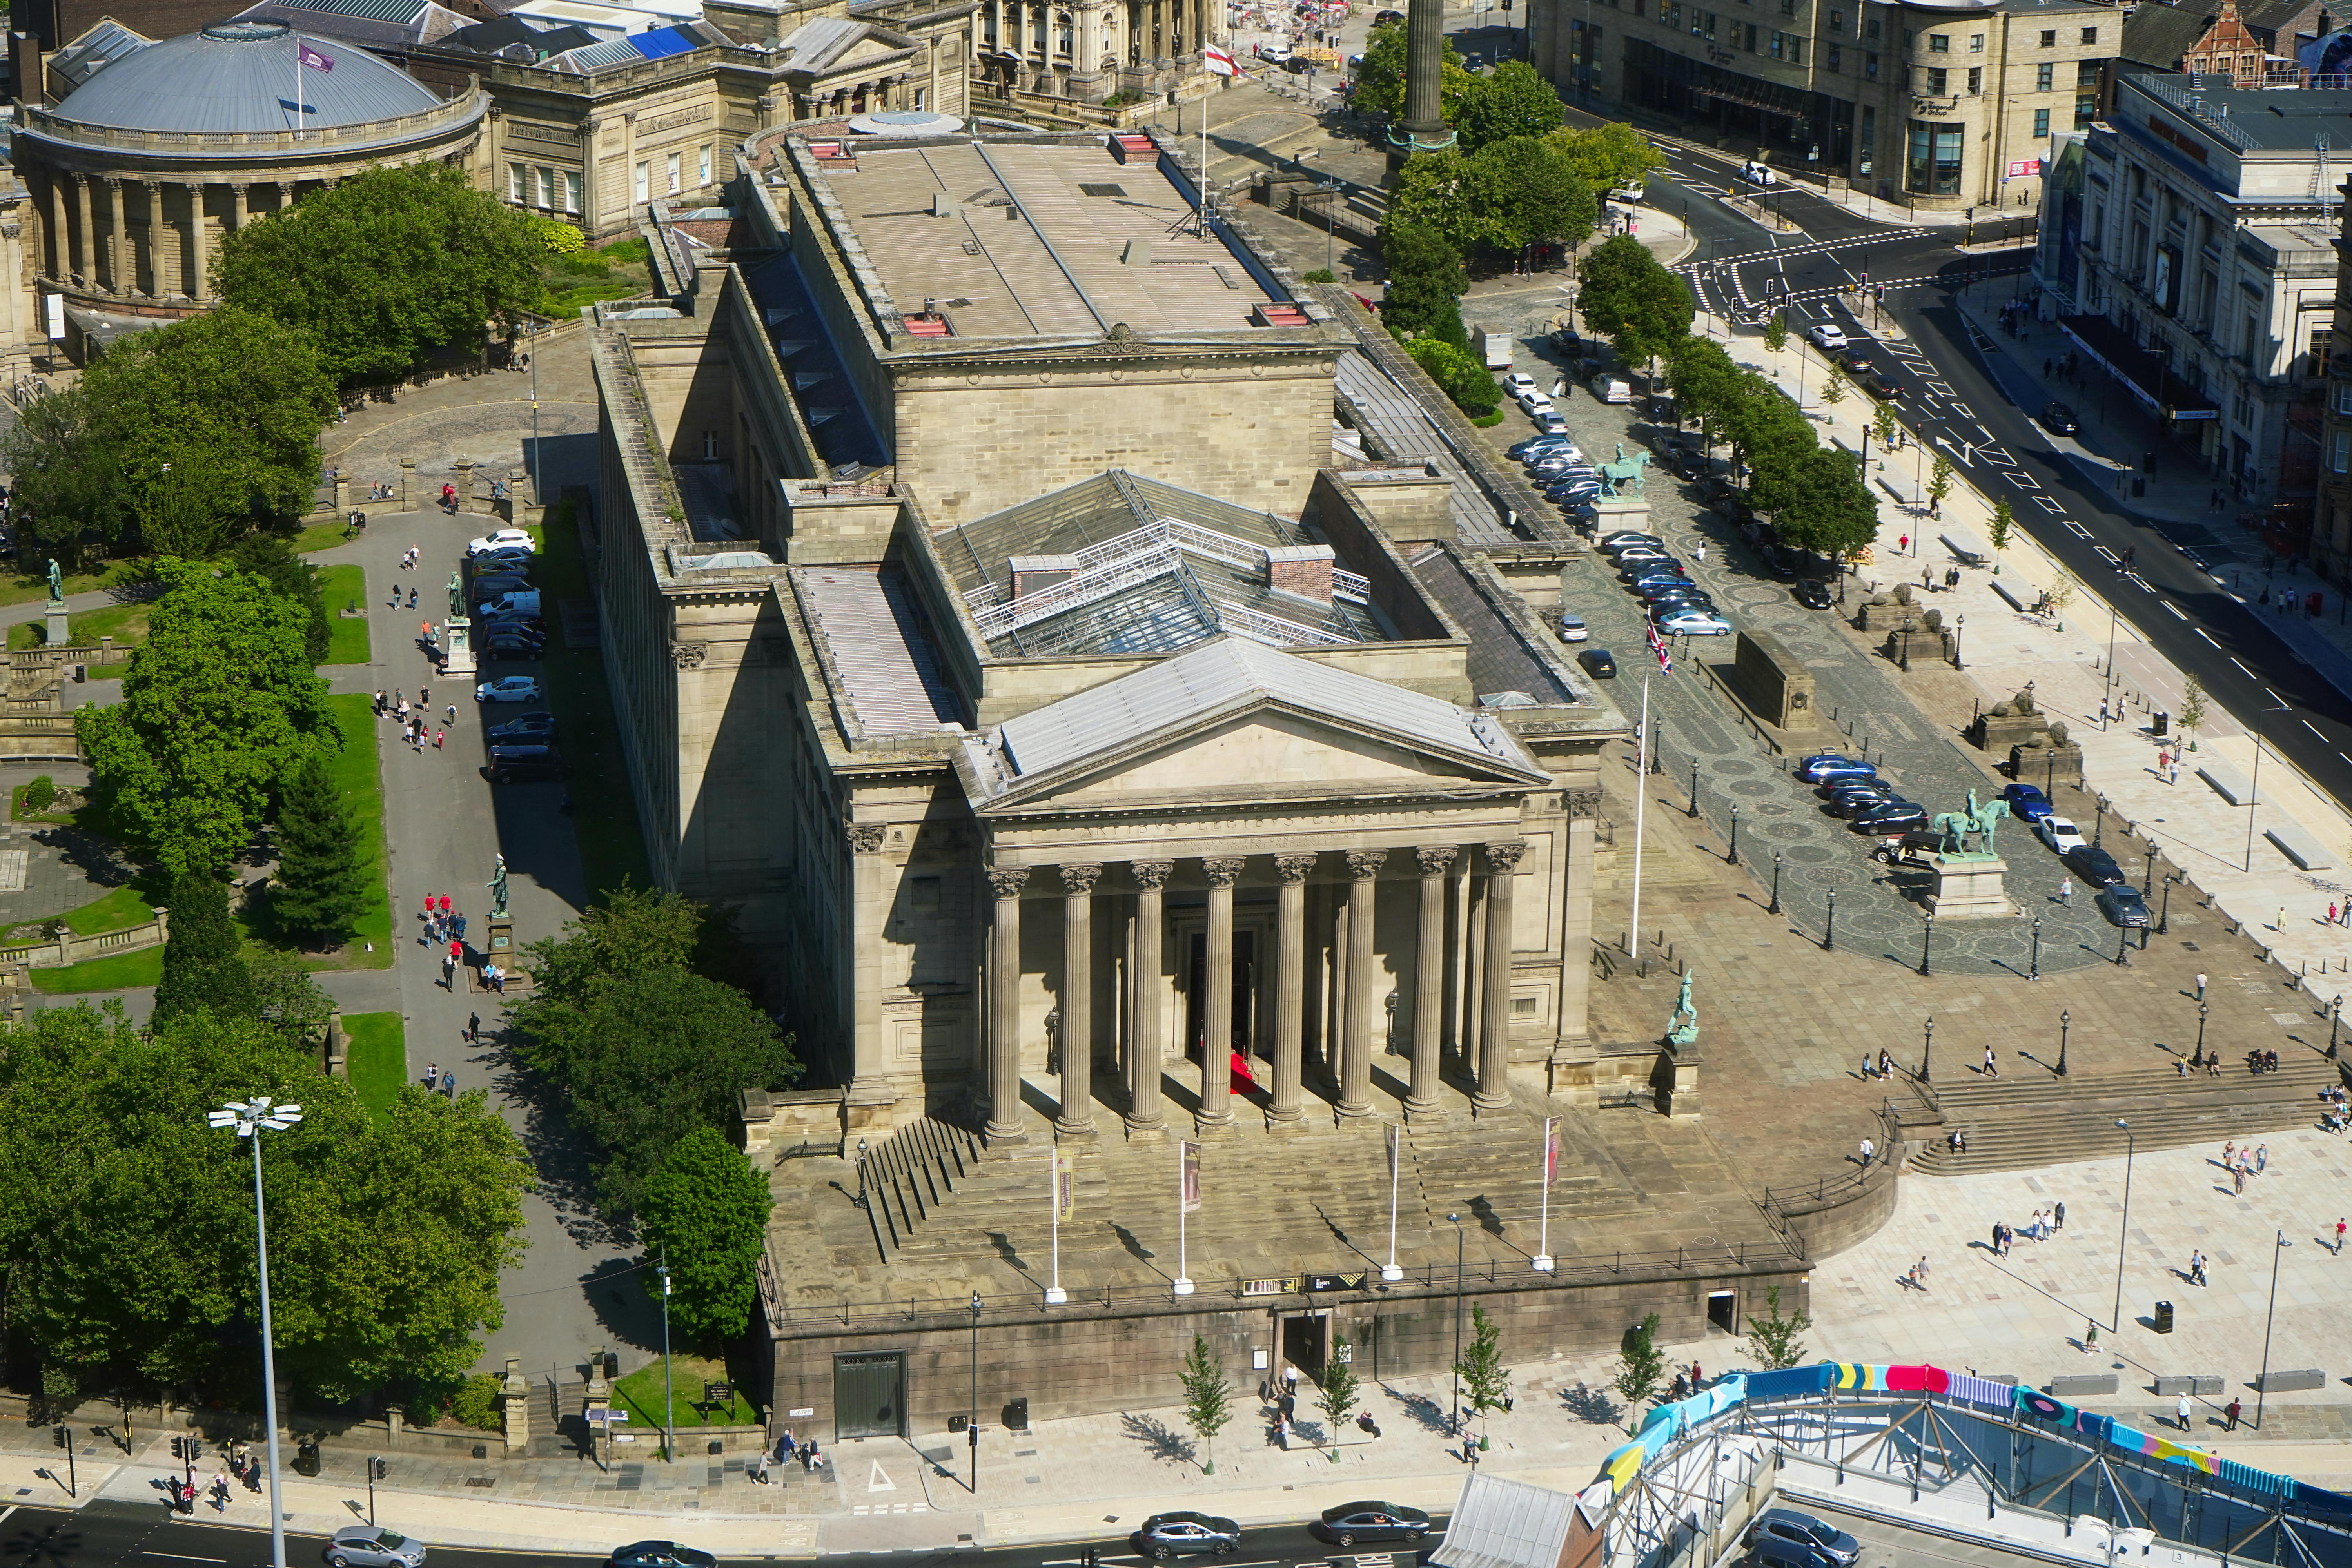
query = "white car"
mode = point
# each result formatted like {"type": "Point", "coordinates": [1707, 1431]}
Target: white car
{"type": "Point", "coordinates": [1827, 337]}
{"type": "Point", "coordinates": [1573, 629]}
{"type": "Point", "coordinates": [1532, 397]}
{"type": "Point", "coordinates": [509, 689]}
{"type": "Point", "coordinates": [1695, 624]}
{"type": "Point", "coordinates": [1519, 384]}
{"type": "Point", "coordinates": [2060, 835]}
{"type": "Point", "coordinates": [504, 539]}
{"type": "Point", "coordinates": [1633, 193]}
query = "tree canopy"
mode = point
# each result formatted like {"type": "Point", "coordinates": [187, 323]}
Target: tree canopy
{"type": "Point", "coordinates": [126, 1225]}
{"type": "Point", "coordinates": [386, 266]}
{"type": "Point", "coordinates": [1512, 100]}
{"type": "Point", "coordinates": [1508, 194]}
{"type": "Point", "coordinates": [321, 886]}
{"type": "Point", "coordinates": [1817, 498]}
{"type": "Point", "coordinates": [204, 960]}
{"type": "Point", "coordinates": [706, 1211]}
{"type": "Point", "coordinates": [624, 1016]}
{"type": "Point", "coordinates": [1424, 280]}
{"type": "Point", "coordinates": [1379, 75]}
{"type": "Point", "coordinates": [1644, 311]}
{"type": "Point", "coordinates": [220, 709]}
{"type": "Point", "coordinates": [65, 463]}
{"type": "Point", "coordinates": [1609, 157]}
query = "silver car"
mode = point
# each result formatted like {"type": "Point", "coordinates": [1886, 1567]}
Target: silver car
{"type": "Point", "coordinates": [366, 1546]}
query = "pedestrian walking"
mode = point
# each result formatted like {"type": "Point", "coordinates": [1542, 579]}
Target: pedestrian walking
{"type": "Point", "coordinates": [2339, 1237]}
{"type": "Point", "coordinates": [2184, 1412]}
{"type": "Point", "coordinates": [438, 736]}
{"type": "Point", "coordinates": [450, 1084]}
{"type": "Point", "coordinates": [1885, 1064]}
{"type": "Point", "coordinates": [2231, 1411]}
{"type": "Point", "coordinates": [2261, 1158]}
{"type": "Point", "coordinates": [2090, 1338]}
{"type": "Point", "coordinates": [1920, 1269]}
{"type": "Point", "coordinates": [432, 1073]}
{"type": "Point", "coordinates": [759, 1469]}
{"type": "Point", "coordinates": [2238, 1180]}
{"type": "Point", "coordinates": [1868, 1149]}
{"type": "Point", "coordinates": [452, 714]}
{"type": "Point", "coordinates": [1698, 553]}
{"type": "Point", "coordinates": [2066, 891]}
{"type": "Point", "coordinates": [2058, 1217]}
{"type": "Point", "coordinates": [474, 1027]}
{"type": "Point", "coordinates": [2196, 1268]}
{"type": "Point", "coordinates": [1991, 1069]}
{"type": "Point", "coordinates": [1868, 1072]}
{"type": "Point", "coordinates": [379, 702]}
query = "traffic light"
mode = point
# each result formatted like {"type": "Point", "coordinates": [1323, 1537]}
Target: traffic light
{"type": "Point", "coordinates": [379, 1469]}
{"type": "Point", "coordinates": [179, 1447]}
{"type": "Point", "coordinates": [196, 1450]}
{"type": "Point", "coordinates": [63, 1440]}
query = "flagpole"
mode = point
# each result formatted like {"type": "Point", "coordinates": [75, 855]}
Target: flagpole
{"type": "Point", "coordinates": [1641, 800]}
{"type": "Point", "coordinates": [1389, 1269]}
{"type": "Point", "coordinates": [1543, 1223]}
{"type": "Point", "coordinates": [1054, 1294]}
{"type": "Point", "coordinates": [1185, 1157]}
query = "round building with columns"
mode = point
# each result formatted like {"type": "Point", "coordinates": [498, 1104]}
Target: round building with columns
{"type": "Point", "coordinates": [136, 175]}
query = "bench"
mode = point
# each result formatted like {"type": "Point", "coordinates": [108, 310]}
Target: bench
{"type": "Point", "coordinates": [2170, 1386]}
{"type": "Point", "coordinates": [2299, 846]}
{"type": "Point", "coordinates": [2293, 1381]}
{"type": "Point", "coordinates": [2078, 1387]}
{"type": "Point", "coordinates": [2010, 596]}
{"type": "Point", "coordinates": [2228, 781]}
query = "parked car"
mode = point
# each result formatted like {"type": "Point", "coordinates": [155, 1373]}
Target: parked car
{"type": "Point", "coordinates": [1530, 397]}
{"type": "Point", "coordinates": [1569, 342]}
{"type": "Point", "coordinates": [1519, 384]}
{"type": "Point", "coordinates": [1612, 388]}
{"type": "Point", "coordinates": [1571, 491]}
{"type": "Point", "coordinates": [524, 727]}
{"type": "Point", "coordinates": [1548, 420]}
{"type": "Point", "coordinates": [503, 561]}
{"type": "Point", "coordinates": [509, 689]}
{"type": "Point", "coordinates": [1827, 336]}
{"type": "Point", "coordinates": [1599, 663]}
{"type": "Point", "coordinates": [1788, 1524]}
{"type": "Point", "coordinates": [1352, 1522]}
{"type": "Point", "coordinates": [1860, 803]}
{"type": "Point", "coordinates": [488, 585]}
{"type": "Point", "coordinates": [1573, 629]}
{"type": "Point", "coordinates": [1166, 1535]}
{"type": "Point", "coordinates": [1381, 16]}
{"type": "Point", "coordinates": [520, 602]}
{"type": "Point", "coordinates": [659, 1554]}
{"type": "Point", "coordinates": [1694, 622]}
{"type": "Point", "coordinates": [2124, 905]}
{"type": "Point", "coordinates": [1536, 446]}
{"type": "Point", "coordinates": [1653, 569]}
{"type": "Point", "coordinates": [1896, 816]}
{"type": "Point", "coordinates": [1908, 848]}
{"type": "Point", "coordinates": [1814, 594]}
{"type": "Point", "coordinates": [2026, 803]}
{"type": "Point", "coordinates": [2094, 866]}
{"type": "Point", "coordinates": [502, 539]}
{"type": "Point", "coordinates": [2059, 420]}
{"type": "Point", "coordinates": [1613, 543]}
{"type": "Point", "coordinates": [366, 1546]}
{"type": "Point", "coordinates": [510, 645]}
{"type": "Point", "coordinates": [540, 770]}
{"type": "Point", "coordinates": [2062, 837]}
{"type": "Point", "coordinates": [1631, 553]}
{"type": "Point", "coordinates": [1822, 765]}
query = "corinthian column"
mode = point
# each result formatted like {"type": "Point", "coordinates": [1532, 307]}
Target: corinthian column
{"type": "Point", "coordinates": [1217, 1032]}
{"type": "Point", "coordinates": [1428, 977]}
{"type": "Point", "coordinates": [1076, 1117]}
{"type": "Point", "coordinates": [1356, 1041]}
{"type": "Point", "coordinates": [1144, 1113]}
{"type": "Point", "coordinates": [1290, 990]}
{"type": "Point", "coordinates": [1495, 1035]}
{"type": "Point", "coordinates": [1005, 1004]}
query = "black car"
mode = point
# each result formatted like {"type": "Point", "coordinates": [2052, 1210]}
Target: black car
{"type": "Point", "coordinates": [2059, 420]}
{"type": "Point", "coordinates": [2124, 905]}
{"type": "Point", "coordinates": [1776, 562]}
{"type": "Point", "coordinates": [524, 727]}
{"type": "Point", "coordinates": [1786, 1524]}
{"type": "Point", "coordinates": [1166, 1535]}
{"type": "Point", "coordinates": [2095, 866]}
{"type": "Point", "coordinates": [526, 765]}
{"type": "Point", "coordinates": [497, 586]}
{"type": "Point", "coordinates": [1860, 803]}
{"type": "Point", "coordinates": [1894, 816]}
{"type": "Point", "coordinates": [1599, 663]}
{"type": "Point", "coordinates": [1650, 568]}
{"type": "Point", "coordinates": [510, 645]}
{"type": "Point", "coordinates": [1381, 16]}
{"type": "Point", "coordinates": [660, 1554]}
{"type": "Point", "coordinates": [1352, 1522]}
{"type": "Point", "coordinates": [522, 625]}
{"type": "Point", "coordinates": [1814, 594]}
{"type": "Point", "coordinates": [1568, 341]}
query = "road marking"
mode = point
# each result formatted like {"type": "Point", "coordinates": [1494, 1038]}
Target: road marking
{"type": "Point", "coordinates": [2207, 636]}
{"type": "Point", "coordinates": [878, 1479]}
{"type": "Point", "coordinates": [2234, 659]}
{"type": "Point", "coordinates": [2276, 698]}
{"type": "Point", "coordinates": [174, 1556]}
{"type": "Point", "coordinates": [2174, 608]}
{"type": "Point", "coordinates": [2046, 504]}
{"type": "Point", "coordinates": [2314, 728]}
{"type": "Point", "coordinates": [2117, 560]}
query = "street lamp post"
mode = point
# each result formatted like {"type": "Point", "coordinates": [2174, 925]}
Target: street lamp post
{"type": "Point", "coordinates": [2122, 1236]}
{"type": "Point", "coordinates": [2262, 1389]}
{"type": "Point", "coordinates": [669, 1413]}
{"type": "Point", "coordinates": [1959, 625]}
{"type": "Point", "coordinates": [2164, 913]}
{"type": "Point", "coordinates": [2200, 1029]}
{"type": "Point", "coordinates": [2099, 823]}
{"type": "Point", "coordinates": [2065, 1025]}
{"type": "Point", "coordinates": [1731, 855]}
{"type": "Point", "coordinates": [2148, 877]}
{"type": "Point", "coordinates": [863, 1201]}
{"type": "Point", "coordinates": [1455, 1221]}
{"type": "Point", "coordinates": [1776, 882]}
{"type": "Point", "coordinates": [2335, 1018]}
{"type": "Point", "coordinates": [1926, 941]}
{"type": "Point", "coordinates": [2122, 946]}
{"type": "Point", "coordinates": [1829, 928]}
{"type": "Point", "coordinates": [1694, 805]}
{"type": "Point", "coordinates": [972, 1421]}
{"type": "Point", "coordinates": [1928, 1051]}
{"type": "Point", "coordinates": [250, 1119]}
{"type": "Point", "coordinates": [2033, 970]}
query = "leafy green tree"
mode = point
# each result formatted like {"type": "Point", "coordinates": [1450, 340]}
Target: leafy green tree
{"type": "Point", "coordinates": [386, 266]}
{"type": "Point", "coordinates": [625, 1017]}
{"type": "Point", "coordinates": [1833, 387]}
{"type": "Point", "coordinates": [1776, 332]}
{"type": "Point", "coordinates": [126, 1225]}
{"type": "Point", "coordinates": [1513, 99]}
{"type": "Point", "coordinates": [1641, 1365]}
{"type": "Point", "coordinates": [321, 886]}
{"type": "Point", "coordinates": [1884, 423]}
{"type": "Point", "coordinates": [1939, 484]}
{"type": "Point", "coordinates": [1610, 157]}
{"type": "Point", "coordinates": [1484, 1376]}
{"type": "Point", "coordinates": [1459, 374]}
{"type": "Point", "coordinates": [1773, 1340]}
{"type": "Point", "coordinates": [204, 957]}
{"type": "Point", "coordinates": [273, 560]}
{"type": "Point", "coordinates": [1534, 195]}
{"type": "Point", "coordinates": [65, 463]}
{"type": "Point", "coordinates": [706, 1212]}
{"type": "Point", "coordinates": [286, 997]}
{"type": "Point", "coordinates": [1337, 1391]}
{"type": "Point", "coordinates": [1704, 381]}
{"type": "Point", "coordinates": [1380, 75]}
{"type": "Point", "coordinates": [2192, 703]}
{"type": "Point", "coordinates": [1765, 424]}
{"type": "Point", "coordinates": [1208, 1398]}
{"type": "Point", "coordinates": [1424, 280]}
{"type": "Point", "coordinates": [1818, 501]}
{"type": "Point", "coordinates": [1643, 309]}
{"type": "Point", "coordinates": [2004, 523]}
{"type": "Point", "coordinates": [1445, 192]}
{"type": "Point", "coordinates": [216, 421]}
{"type": "Point", "coordinates": [220, 709]}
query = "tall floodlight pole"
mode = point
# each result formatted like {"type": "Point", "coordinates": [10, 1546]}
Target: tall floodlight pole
{"type": "Point", "coordinates": [250, 1119]}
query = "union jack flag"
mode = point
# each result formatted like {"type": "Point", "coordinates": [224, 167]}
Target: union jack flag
{"type": "Point", "coordinates": [1658, 646]}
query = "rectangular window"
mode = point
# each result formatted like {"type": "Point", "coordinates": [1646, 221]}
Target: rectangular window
{"type": "Point", "coordinates": [570, 191]}
{"type": "Point", "coordinates": [2339, 458]}
{"type": "Point", "coordinates": [2344, 397]}
{"type": "Point", "coordinates": [2044, 77]}
{"type": "Point", "coordinates": [515, 192]}
{"type": "Point", "coordinates": [1938, 44]}
{"type": "Point", "coordinates": [2090, 34]}
{"type": "Point", "coordinates": [1934, 165]}
{"type": "Point", "coordinates": [1788, 7]}
{"type": "Point", "coordinates": [640, 193]}
{"type": "Point", "coordinates": [1837, 21]}
{"type": "Point", "coordinates": [2049, 38]}
{"type": "Point", "coordinates": [1937, 80]}
{"type": "Point", "coordinates": [1870, 66]}
{"type": "Point", "coordinates": [2087, 73]}
{"type": "Point", "coordinates": [669, 173]}
{"type": "Point", "coordinates": [1975, 80]}
{"type": "Point", "coordinates": [2086, 108]}
{"type": "Point", "coordinates": [2040, 123]}
{"type": "Point", "coordinates": [1835, 54]}
{"type": "Point", "coordinates": [1868, 140]}
{"type": "Point", "coordinates": [1870, 30]}
{"type": "Point", "coordinates": [546, 189]}
{"type": "Point", "coordinates": [704, 165]}
{"type": "Point", "coordinates": [2322, 346]}
{"type": "Point", "coordinates": [1747, 36]}
{"type": "Point", "coordinates": [1976, 43]}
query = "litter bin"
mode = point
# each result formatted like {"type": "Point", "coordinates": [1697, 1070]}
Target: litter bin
{"type": "Point", "coordinates": [2164, 1316]}
{"type": "Point", "coordinates": [2139, 485]}
{"type": "Point", "coordinates": [2163, 724]}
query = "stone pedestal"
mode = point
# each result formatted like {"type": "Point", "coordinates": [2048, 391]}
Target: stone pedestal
{"type": "Point", "coordinates": [514, 1399]}
{"type": "Point", "coordinates": [408, 484]}
{"type": "Point", "coordinates": [1677, 1080]}
{"type": "Point", "coordinates": [1968, 887]}
{"type": "Point", "coordinates": [59, 632]}
{"type": "Point", "coordinates": [457, 646]}
{"type": "Point", "coordinates": [497, 939]}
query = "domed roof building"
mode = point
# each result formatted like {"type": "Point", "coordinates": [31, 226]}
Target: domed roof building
{"type": "Point", "coordinates": [163, 147]}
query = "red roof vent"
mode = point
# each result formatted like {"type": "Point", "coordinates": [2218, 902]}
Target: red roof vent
{"type": "Point", "coordinates": [1134, 149]}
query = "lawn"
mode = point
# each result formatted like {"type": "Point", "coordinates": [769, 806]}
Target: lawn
{"type": "Point", "coordinates": [33, 583]}
{"type": "Point", "coordinates": [119, 973]}
{"type": "Point", "coordinates": [126, 624]}
{"type": "Point", "coordinates": [619, 271]}
{"type": "Point", "coordinates": [127, 906]}
{"type": "Point", "coordinates": [603, 816]}
{"type": "Point", "coordinates": [347, 640]}
{"type": "Point", "coordinates": [355, 772]}
{"type": "Point", "coordinates": [640, 1394]}
{"type": "Point", "coordinates": [376, 1057]}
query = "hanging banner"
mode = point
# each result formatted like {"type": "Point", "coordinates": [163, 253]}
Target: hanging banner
{"type": "Point", "coordinates": [1393, 1131]}
{"type": "Point", "coordinates": [1189, 1191]}
{"type": "Point", "coordinates": [1066, 1185]}
{"type": "Point", "coordinates": [1551, 1148]}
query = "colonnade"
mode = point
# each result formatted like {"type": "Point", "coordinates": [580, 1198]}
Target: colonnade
{"type": "Point", "coordinates": [1145, 1114]}
{"type": "Point", "coordinates": [74, 253]}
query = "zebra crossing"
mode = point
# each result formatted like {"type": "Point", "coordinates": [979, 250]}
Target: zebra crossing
{"type": "Point", "coordinates": [1817, 247]}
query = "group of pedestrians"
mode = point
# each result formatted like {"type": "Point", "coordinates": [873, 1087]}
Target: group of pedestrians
{"type": "Point", "coordinates": [418, 727]}
{"type": "Point", "coordinates": [2045, 1224]}
{"type": "Point", "coordinates": [2243, 1165]}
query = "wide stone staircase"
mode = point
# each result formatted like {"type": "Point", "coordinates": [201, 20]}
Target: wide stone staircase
{"type": "Point", "coordinates": [2014, 1123]}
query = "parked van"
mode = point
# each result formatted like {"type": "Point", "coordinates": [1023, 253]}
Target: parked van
{"type": "Point", "coordinates": [520, 602]}
{"type": "Point", "coordinates": [1612, 388]}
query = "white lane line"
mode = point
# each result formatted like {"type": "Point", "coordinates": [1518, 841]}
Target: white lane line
{"type": "Point", "coordinates": [2234, 659]}
{"type": "Point", "coordinates": [2174, 608]}
{"type": "Point", "coordinates": [182, 1557]}
{"type": "Point", "coordinates": [2314, 728]}
{"type": "Point", "coordinates": [2207, 636]}
{"type": "Point", "coordinates": [2276, 698]}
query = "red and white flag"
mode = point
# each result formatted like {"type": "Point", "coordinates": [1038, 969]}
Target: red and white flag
{"type": "Point", "coordinates": [312, 59]}
{"type": "Point", "coordinates": [1658, 646]}
{"type": "Point", "coordinates": [1219, 62]}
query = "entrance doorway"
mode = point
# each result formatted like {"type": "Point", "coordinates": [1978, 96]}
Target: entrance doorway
{"type": "Point", "coordinates": [1196, 994]}
{"type": "Point", "coordinates": [1723, 1311]}
{"type": "Point", "coordinates": [869, 1395]}
{"type": "Point", "coordinates": [1305, 1339]}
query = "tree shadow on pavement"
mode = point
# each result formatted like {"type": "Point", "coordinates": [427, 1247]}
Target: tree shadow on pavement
{"type": "Point", "coordinates": [1424, 1411]}
{"type": "Point", "coordinates": [1165, 1441]}
{"type": "Point", "coordinates": [614, 1290]}
{"type": "Point", "coordinates": [559, 1154]}
{"type": "Point", "coordinates": [1592, 1404]}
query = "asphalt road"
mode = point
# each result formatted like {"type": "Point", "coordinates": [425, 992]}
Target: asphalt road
{"type": "Point", "coordinates": [2168, 594]}
{"type": "Point", "coordinates": [108, 1534]}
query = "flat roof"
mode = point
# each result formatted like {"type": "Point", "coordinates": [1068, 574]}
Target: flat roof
{"type": "Point", "coordinates": [1017, 239]}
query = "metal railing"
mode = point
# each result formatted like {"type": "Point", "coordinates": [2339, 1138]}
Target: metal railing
{"type": "Point", "coordinates": [1120, 562]}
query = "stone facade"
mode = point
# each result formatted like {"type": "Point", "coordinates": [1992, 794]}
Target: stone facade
{"type": "Point", "coordinates": [1090, 49]}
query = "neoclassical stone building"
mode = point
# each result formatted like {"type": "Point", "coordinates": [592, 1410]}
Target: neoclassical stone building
{"type": "Point", "coordinates": [1089, 50]}
{"type": "Point", "coordinates": [168, 146]}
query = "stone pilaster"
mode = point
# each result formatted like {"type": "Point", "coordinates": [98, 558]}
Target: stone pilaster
{"type": "Point", "coordinates": [1355, 1037]}
{"type": "Point", "coordinates": [1076, 1117]}
{"type": "Point", "coordinates": [1146, 1115]}
{"type": "Point", "coordinates": [1495, 1032]}
{"type": "Point", "coordinates": [1428, 977]}
{"type": "Point", "coordinates": [1006, 883]}
{"type": "Point", "coordinates": [1217, 1032]}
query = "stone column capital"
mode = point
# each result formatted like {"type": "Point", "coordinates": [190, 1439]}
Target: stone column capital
{"type": "Point", "coordinates": [1222, 872]}
{"type": "Point", "coordinates": [1504, 858]}
{"type": "Point", "coordinates": [1363, 865]}
{"type": "Point", "coordinates": [1581, 803]}
{"type": "Point", "coordinates": [865, 837]}
{"type": "Point", "coordinates": [1006, 882]}
{"type": "Point", "coordinates": [1078, 879]}
{"type": "Point", "coordinates": [1294, 869]}
{"type": "Point", "coordinates": [1435, 858]}
{"type": "Point", "coordinates": [1151, 874]}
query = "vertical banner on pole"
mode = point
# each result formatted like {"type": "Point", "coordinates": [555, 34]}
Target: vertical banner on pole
{"type": "Point", "coordinates": [1188, 1198]}
{"type": "Point", "coordinates": [1542, 1260]}
{"type": "Point", "coordinates": [1065, 1204]}
{"type": "Point", "coordinates": [1396, 1159]}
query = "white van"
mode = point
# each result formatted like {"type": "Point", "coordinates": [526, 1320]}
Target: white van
{"type": "Point", "coordinates": [1612, 388]}
{"type": "Point", "coordinates": [522, 602]}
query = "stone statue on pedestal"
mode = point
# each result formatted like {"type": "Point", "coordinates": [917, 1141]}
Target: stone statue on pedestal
{"type": "Point", "coordinates": [497, 885]}
{"type": "Point", "coordinates": [57, 584]}
{"type": "Point", "coordinates": [1684, 1029]}
{"type": "Point", "coordinates": [457, 598]}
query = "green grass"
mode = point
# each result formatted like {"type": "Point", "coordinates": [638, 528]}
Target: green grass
{"type": "Point", "coordinates": [355, 770]}
{"type": "Point", "coordinates": [320, 536]}
{"type": "Point", "coordinates": [126, 624]}
{"type": "Point", "coordinates": [616, 272]}
{"type": "Point", "coordinates": [347, 640]}
{"type": "Point", "coordinates": [604, 814]}
{"type": "Point", "coordinates": [640, 1394]}
{"type": "Point", "coordinates": [119, 973]}
{"type": "Point", "coordinates": [377, 1058]}
{"type": "Point", "coordinates": [127, 906]}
